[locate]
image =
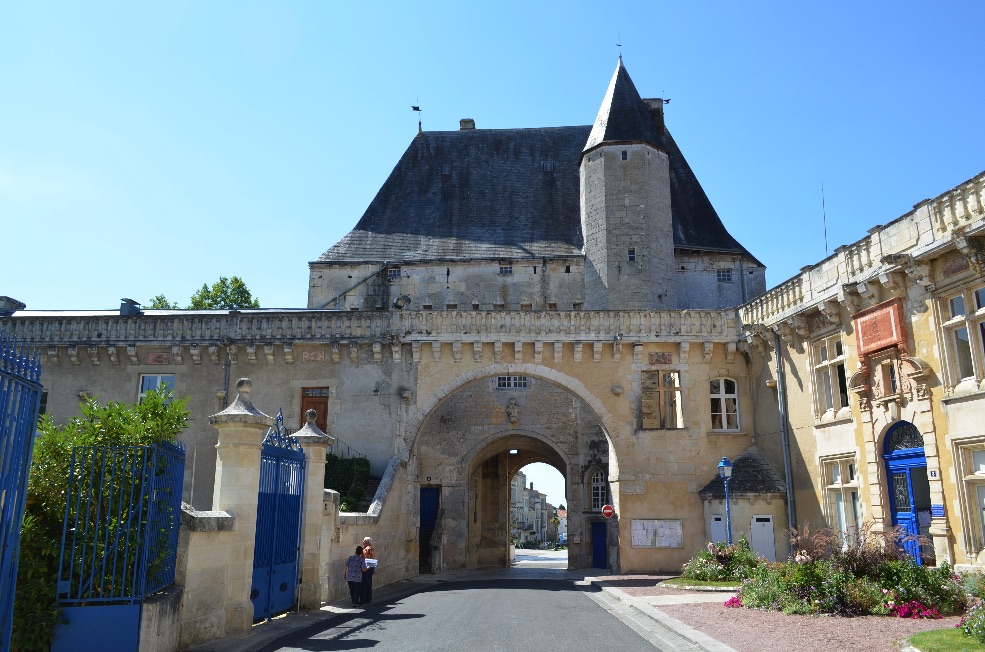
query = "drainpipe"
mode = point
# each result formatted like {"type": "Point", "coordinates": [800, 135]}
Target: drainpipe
{"type": "Point", "coordinates": [781, 394]}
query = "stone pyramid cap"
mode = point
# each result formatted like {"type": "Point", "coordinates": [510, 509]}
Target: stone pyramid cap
{"type": "Point", "coordinates": [242, 409]}
{"type": "Point", "coordinates": [624, 116]}
{"type": "Point", "coordinates": [311, 431]}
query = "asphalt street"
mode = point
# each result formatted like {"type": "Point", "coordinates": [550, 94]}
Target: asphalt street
{"type": "Point", "coordinates": [482, 614]}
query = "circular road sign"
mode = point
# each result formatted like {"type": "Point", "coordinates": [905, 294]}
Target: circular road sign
{"type": "Point", "coordinates": [608, 511]}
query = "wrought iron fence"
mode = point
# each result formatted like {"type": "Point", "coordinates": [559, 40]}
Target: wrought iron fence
{"type": "Point", "coordinates": [122, 512]}
{"type": "Point", "coordinates": [20, 394]}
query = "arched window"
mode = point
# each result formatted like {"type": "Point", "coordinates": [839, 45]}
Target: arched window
{"type": "Point", "coordinates": [724, 404]}
{"type": "Point", "coordinates": [598, 491]}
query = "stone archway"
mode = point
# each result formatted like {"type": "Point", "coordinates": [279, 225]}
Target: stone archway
{"type": "Point", "coordinates": [462, 448]}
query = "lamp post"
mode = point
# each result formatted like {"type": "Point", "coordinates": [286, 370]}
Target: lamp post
{"type": "Point", "coordinates": [725, 472]}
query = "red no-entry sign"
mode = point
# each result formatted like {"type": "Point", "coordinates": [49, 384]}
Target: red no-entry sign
{"type": "Point", "coordinates": [608, 511]}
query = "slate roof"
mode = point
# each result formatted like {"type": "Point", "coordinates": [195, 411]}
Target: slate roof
{"type": "Point", "coordinates": [514, 193]}
{"type": "Point", "coordinates": [623, 117]}
{"type": "Point", "coordinates": [751, 474]}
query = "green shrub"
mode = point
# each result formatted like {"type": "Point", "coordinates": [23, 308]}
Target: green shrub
{"type": "Point", "coordinates": [348, 477]}
{"type": "Point", "coordinates": [973, 623]}
{"type": "Point", "coordinates": [974, 584]}
{"type": "Point", "coordinates": [722, 563]}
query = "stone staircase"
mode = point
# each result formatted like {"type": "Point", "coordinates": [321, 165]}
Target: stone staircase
{"type": "Point", "coordinates": [372, 484]}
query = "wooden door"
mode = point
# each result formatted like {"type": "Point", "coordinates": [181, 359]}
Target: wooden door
{"type": "Point", "coordinates": [315, 398]}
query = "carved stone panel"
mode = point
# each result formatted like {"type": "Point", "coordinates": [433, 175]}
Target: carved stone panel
{"type": "Point", "coordinates": [880, 327]}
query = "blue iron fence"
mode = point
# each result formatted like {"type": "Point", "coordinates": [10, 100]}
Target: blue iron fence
{"type": "Point", "coordinates": [122, 512]}
{"type": "Point", "coordinates": [20, 394]}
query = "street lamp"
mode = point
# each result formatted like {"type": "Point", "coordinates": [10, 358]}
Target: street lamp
{"type": "Point", "coordinates": [725, 472]}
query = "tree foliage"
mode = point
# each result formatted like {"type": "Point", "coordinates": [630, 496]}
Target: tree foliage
{"type": "Point", "coordinates": [158, 417]}
{"type": "Point", "coordinates": [225, 294]}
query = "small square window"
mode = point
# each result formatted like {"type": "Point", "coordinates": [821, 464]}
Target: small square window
{"type": "Point", "coordinates": [506, 268]}
{"type": "Point", "coordinates": [724, 275]}
{"type": "Point", "coordinates": [475, 306]}
{"type": "Point", "coordinates": [625, 155]}
{"type": "Point", "coordinates": [499, 306]}
{"type": "Point", "coordinates": [526, 306]}
{"type": "Point", "coordinates": [631, 254]}
{"type": "Point", "coordinates": [452, 306]}
{"type": "Point", "coordinates": [427, 306]}
{"type": "Point", "coordinates": [393, 273]}
{"type": "Point", "coordinates": [552, 306]}
{"type": "Point", "coordinates": [567, 269]}
{"type": "Point", "coordinates": [578, 305]}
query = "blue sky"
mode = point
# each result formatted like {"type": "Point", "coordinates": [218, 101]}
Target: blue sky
{"type": "Point", "coordinates": [148, 149]}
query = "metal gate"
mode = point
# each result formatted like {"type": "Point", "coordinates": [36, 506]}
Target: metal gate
{"type": "Point", "coordinates": [119, 540]}
{"type": "Point", "coordinates": [278, 534]}
{"type": "Point", "coordinates": [20, 395]}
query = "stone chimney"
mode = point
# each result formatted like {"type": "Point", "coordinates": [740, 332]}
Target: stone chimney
{"type": "Point", "coordinates": [466, 124]}
{"type": "Point", "coordinates": [9, 306]}
{"type": "Point", "coordinates": [656, 108]}
{"type": "Point", "coordinates": [130, 308]}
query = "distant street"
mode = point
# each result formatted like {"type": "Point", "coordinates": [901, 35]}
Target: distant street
{"type": "Point", "coordinates": [533, 606]}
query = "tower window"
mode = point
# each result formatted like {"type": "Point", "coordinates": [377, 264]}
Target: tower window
{"type": "Point", "coordinates": [631, 255]}
{"type": "Point", "coordinates": [393, 272]}
{"type": "Point", "coordinates": [724, 275]}
{"type": "Point", "coordinates": [506, 268]}
{"type": "Point", "coordinates": [625, 155]}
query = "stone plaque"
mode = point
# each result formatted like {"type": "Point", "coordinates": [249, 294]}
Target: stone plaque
{"type": "Point", "coordinates": [313, 356]}
{"type": "Point", "coordinates": [880, 327]}
{"type": "Point", "coordinates": [953, 265]}
{"type": "Point", "coordinates": [158, 358]}
{"type": "Point", "coordinates": [659, 357]}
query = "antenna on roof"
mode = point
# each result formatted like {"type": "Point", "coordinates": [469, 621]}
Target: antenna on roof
{"type": "Point", "coordinates": [417, 108]}
{"type": "Point", "coordinates": [824, 219]}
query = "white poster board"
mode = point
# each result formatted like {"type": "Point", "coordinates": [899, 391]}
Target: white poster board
{"type": "Point", "coordinates": [657, 533]}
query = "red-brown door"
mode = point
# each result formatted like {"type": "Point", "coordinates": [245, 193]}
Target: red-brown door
{"type": "Point", "coordinates": [315, 398]}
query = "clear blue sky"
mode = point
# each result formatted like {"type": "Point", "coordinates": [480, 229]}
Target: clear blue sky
{"type": "Point", "coordinates": [547, 480]}
{"type": "Point", "coordinates": [147, 149]}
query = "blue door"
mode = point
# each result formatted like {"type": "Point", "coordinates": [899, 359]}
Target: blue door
{"type": "Point", "coordinates": [430, 501]}
{"type": "Point", "coordinates": [599, 545]}
{"type": "Point", "coordinates": [909, 489]}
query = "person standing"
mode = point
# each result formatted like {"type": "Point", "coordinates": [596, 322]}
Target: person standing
{"type": "Point", "coordinates": [355, 565]}
{"type": "Point", "coordinates": [369, 552]}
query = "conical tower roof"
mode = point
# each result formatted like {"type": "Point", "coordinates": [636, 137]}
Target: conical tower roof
{"type": "Point", "coordinates": [624, 117]}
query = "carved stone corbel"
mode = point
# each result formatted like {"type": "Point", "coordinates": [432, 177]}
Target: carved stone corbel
{"type": "Point", "coordinates": [73, 355]}
{"type": "Point", "coordinates": [415, 351]}
{"type": "Point", "coordinates": [268, 353]}
{"type": "Point", "coordinates": [395, 350]}
{"type": "Point", "coordinates": [578, 349]}
{"type": "Point", "coordinates": [893, 282]}
{"type": "Point", "coordinates": [456, 351]}
{"type": "Point", "coordinates": [213, 354]}
{"type": "Point", "coordinates": [858, 384]}
{"type": "Point", "coordinates": [637, 353]}
{"type": "Point", "coordinates": [596, 352]}
{"type": "Point", "coordinates": [114, 357]}
{"type": "Point", "coordinates": [617, 350]}
{"type": "Point", "coordinates": [708, 349]}
{"type": "Point", "coordinates": [538, 352]}
{"type": "Point", "coordinates": [436, 351]}
{"type": "Point", "coordinates": [353, 351]}
{"type": "Point", "coordinates": [335, 349]}
{"type": "Point", "coordinates": [799, 325]}
{"type": "Point", "coordinates": [785, 331]}
{"type": "Point", "coordinates": [176, 354]}
{"type": "Point", "coordinates": [53, 354]}
{"type": "Point", "coordinates": [477, 351]}
{"type": "Point", "coordinates": [974, 248]}
{"type": "Point", "coordinates": [93, 352]}
{"type": "Point", "coordinates": [289, 353]}
{"type": "Point", "coordinates": [196, 352]}
{"type": "Point", "coordinates": [730, 348]}
{"type": "Point", "coordinates": [232, 350]}
{"type": "Point", "coordinates": [757, 337]}
{"type": "Point", "coordinates": [251, 353]}
{"type": "Point", "coordinates": [868, 291]}
{"type": "Point", "coordinates": [517, 352]}
{"type": "Point", "coordinates": [497, 351]}
{"type": "Point", "coordinates": [132, 354]}
{"type": "Point", "coordinates": [831, 309]}
{"type": "Point", "coordinates": [685, 350]}
{"type": "Point", "coordinates": [377, 351]}
{"type": "Point", "coordinates": [848, 297]}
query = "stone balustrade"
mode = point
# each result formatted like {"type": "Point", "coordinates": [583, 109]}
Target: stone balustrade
{"type": "Point", "coordinates": [929, 227]}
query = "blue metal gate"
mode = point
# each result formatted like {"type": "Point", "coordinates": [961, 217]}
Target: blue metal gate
{"type": "Point", "coordinates": [278, 534]}
{"type": "Point", "coordinates": [20, 395]}
{"type": "Point", "coordinates": [119, 540]}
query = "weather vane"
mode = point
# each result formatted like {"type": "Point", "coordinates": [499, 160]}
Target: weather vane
{"type": "Point", "coordinates": [619, 44]}
{"type": "Point", "coordinates": [416, 107]}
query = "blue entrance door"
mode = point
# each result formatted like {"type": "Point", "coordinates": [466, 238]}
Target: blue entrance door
{"type": "Point", "coordinates": [430, 502]}
{"type": "Point", "coordinates": [909, 489]}
{"type": "Point", "coordinates": [599, 546]}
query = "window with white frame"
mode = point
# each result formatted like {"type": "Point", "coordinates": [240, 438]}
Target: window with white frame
{"type": "Point", "coordinates": [151, 382]}
{"type": "Point", "coordinates": [963, 317]}
{"type": "Point", "coordinates": [842, 507]}
{"type": "Point", "coordinates": [830, 380]}
{"type": "Point", "coordinates": [724, 404]}
{"type": "Point", "coordinates": [511, 382]}
{"type": "Point", "coordinates": [598, 491]}
{"type": "Point", "coordinates": [971, 458]}
{"type": "Point", "coordinates": [724, 275]}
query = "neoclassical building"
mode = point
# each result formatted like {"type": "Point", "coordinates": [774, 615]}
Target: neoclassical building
{"type": "Point", "coordinates": [569, 295]}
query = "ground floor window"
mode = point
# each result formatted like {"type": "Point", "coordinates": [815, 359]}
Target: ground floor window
{"type": "Point", "coordinates": [842, 507]}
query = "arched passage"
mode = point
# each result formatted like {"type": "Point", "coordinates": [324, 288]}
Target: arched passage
{"type": "Point", "coordinates": [461, 453]}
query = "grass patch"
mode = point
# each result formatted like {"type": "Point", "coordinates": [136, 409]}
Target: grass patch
{"type": "Point", "coordinates": [945, 640]}
{"type": "Point", "coordinates": [683, 581]}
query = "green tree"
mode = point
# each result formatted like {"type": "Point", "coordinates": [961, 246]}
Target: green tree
{"type": "Point", "coordinates": [158, 417]}
{"type": "Point", "coordinates": [160, 302]}
{"type": "Point", "coordinates": [225, 294]}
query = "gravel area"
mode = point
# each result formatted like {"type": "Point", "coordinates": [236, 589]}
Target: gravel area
{"type": "Point", "coordinates": [750, 630]}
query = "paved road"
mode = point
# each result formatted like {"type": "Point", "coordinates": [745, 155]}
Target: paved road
{"type": "Point", "coordinates": [533, 608]}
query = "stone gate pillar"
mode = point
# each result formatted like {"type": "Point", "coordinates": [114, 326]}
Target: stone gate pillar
{"type": "Point", "coordinates": [315, 444]}
{"type": "Point", "coordinates": [237, 484]}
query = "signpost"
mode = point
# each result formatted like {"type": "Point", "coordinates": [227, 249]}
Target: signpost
{"type": "Point", "coordinates": [608, 511]}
